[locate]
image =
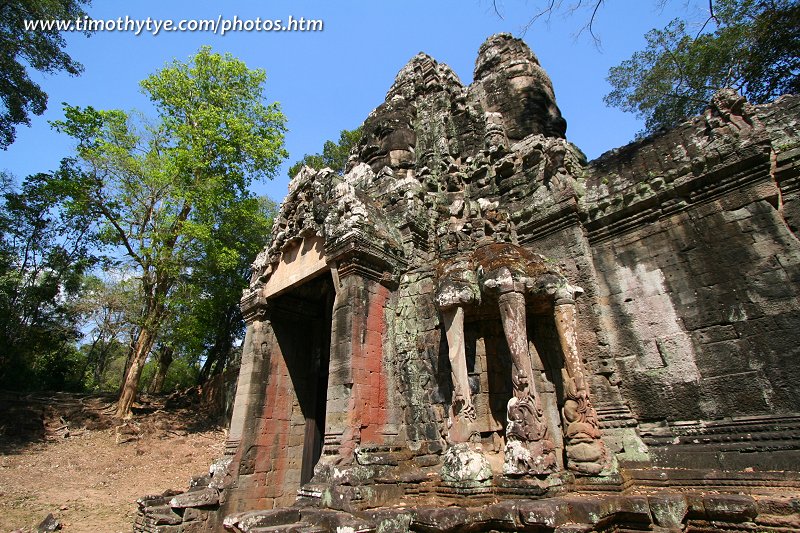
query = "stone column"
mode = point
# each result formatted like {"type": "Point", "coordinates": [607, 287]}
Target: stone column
{"type": "Point", "coordinates": [341, 435]}
{"type": "Point", "coordinates": [253, 371]}
{"type": "Point", "coordinates": [243, 392]}
{"type": "Point", "coordinates": [586, 452]}
{"type": "Point", "coordinates": [529, 449]}
{"type": "Point", "coordinates": [458, 287]}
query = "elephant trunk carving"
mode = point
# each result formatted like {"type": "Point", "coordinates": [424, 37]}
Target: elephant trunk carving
{"type": "Point", "coordinates": [508, 273]}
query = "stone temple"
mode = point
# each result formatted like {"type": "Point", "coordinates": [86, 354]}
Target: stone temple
{"type": "Point", "coordinates": [475, 329]}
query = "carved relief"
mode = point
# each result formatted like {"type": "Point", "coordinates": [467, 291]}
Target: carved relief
{"type": "Point", "coordinates": [458, 287]}
{"type": "Point", "coordinates": [586, 452]}
{"type": "Point", "coordinates": [510, 275]}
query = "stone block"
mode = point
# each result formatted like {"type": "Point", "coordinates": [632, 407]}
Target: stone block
{"type": "Point", "coordinates": [265, 518]}
{"type": "Point", "coordinates": [162, 515]}
{"type": "Point", "coordinates": [730, 507]}
{"type": "Point", "coordinates": [49, 524]}
{"type": "Point", "coordinates": [195, 498]}
{"type": "Point", "coordinates": [740, 394]}
{"type": "Point", "coordinates": [545, 513]}
{"type": "Point", "coordinates": [574, 528]}
{"type": "Point", "coordinates": [194, 527]}
{"type": "Point", "coordinates": [668, 510]}
{"type": "Point", "coordinates": [192, 514]}
{"type": "Point", "coordinates": [723, 358]}
{"type": "Point", "coordinates": [433, 519]}
{"type": "Point", "coordinates": [715, 334]}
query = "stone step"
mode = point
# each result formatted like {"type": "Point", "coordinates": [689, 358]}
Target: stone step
{"type": "Point", "coordinates": [252, 520]}
{"type": "Point", "coordinates": [195, 498]}
{"type": "Point", "coordinates": [291, 528]}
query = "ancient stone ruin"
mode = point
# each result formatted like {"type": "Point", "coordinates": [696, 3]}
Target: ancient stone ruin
{"type": "Point", "coordinates": [475, 329]}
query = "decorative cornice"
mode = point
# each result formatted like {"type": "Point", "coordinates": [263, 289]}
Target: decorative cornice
{"type": "Point", "coordinates": [554, 222]}
{"type": "Point", "coordinates": [253, 306]}
{"type": "Point", "coordinates": [684, 193]}
{"type": "Point", "coordinates": [356, 254]}
{"type": "Point", "coordinates": [744, 433]}
{"type": "Point", "coordinates": [787, 170]}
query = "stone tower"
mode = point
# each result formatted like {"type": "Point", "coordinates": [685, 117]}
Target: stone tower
{"type": "Point", "coordinates": [473, 314]}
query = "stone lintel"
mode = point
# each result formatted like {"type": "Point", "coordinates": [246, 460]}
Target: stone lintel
{"type": "Point", "coordinates": [294, 308]}
{"type": "Point", "coordinates": [298, 263]}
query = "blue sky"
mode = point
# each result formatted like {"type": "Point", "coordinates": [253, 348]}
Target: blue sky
{"type": "Point", "coordinates": [330, 80]}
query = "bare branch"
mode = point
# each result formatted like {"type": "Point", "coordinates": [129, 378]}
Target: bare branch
{"type": "Point", "coordinates": [109, 216]}
{"type": "Point", "coordinates": [496, 10]}
{"type": "Point", "coordinates": [552, 6]}
{"type": "Point", "coordinates": [711, 16]}
{"type": "Point", "coordinates": [590, 25]}
{"type": "Point", "coordinates": [682, 78]}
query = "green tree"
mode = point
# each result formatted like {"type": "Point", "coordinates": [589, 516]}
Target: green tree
{"type": "Point", "coordinates": [44, 253]}
{"type": "Point", "coordinates": [754, 49]}
{"type": "Point", "coordinates": [334, 155]}
{"type": "Point", "coordinates": [41, 50]}
{"type": "Point", "coordinates": [218, 280]}
{"type": "Point", "coordinates": [205, 320]}
{"type": "Point", "coordinates": [160, 188]}
{"type": "Point", "coordinates": [105, 305]}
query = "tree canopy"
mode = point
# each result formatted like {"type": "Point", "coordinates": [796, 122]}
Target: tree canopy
{"type": "Point", "coordinates": [167, 189]}
{"type": "Point", "coordinates": [334, 154]}
{"type": "Point", "coordinates": [44, 253]}
{"type": "Point", "coordinates": [754, 49]}
{"type": "Point", "coordinates": [42, 50]}
{"type": "Point", "coordinates": [205, 319]}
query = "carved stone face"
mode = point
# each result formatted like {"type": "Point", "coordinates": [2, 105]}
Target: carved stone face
{"type": "Point", "coordinates": [510, 81]}
{"type": "Point", "coordinates": [389, 137]}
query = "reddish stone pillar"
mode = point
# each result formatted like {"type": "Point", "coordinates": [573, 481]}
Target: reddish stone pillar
{"type": "Point", "coordinates": [359, 404]}
{"type": "Point", "coordinates": [260, 426]}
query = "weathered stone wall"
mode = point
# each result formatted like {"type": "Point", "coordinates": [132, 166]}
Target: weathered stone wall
{"type": "Point", "coordinates": [698, 275]}
{"type": "Point", "coordinates": [416, 339]}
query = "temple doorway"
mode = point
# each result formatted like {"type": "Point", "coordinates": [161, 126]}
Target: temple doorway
{"type": "Point", "coordinates": [301, 320]}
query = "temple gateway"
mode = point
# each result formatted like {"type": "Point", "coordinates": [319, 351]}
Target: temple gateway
{"type": "Point", "coordinates": [475, 329]}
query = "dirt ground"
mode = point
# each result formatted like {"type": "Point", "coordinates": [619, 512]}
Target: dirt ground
{"type": "Point", "coordinates": [64, 454]}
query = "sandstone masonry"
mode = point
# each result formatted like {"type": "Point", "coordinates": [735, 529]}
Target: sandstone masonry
{"type": "Point", "coordinates": [475, 329]}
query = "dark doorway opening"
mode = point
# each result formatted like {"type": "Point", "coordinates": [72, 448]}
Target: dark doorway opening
{"type": "Point", "coordinates": [301, 319]}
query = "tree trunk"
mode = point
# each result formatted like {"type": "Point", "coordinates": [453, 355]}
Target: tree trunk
{"type": "Point", "coordinates": [164, 360]}
{"type": "Point", "coordinates": [134, 336]}
{"type": "Point", "coordinates": [100, 364]}
{"type": "Point", "coordinates": [141, 349]}
{"type": "Point", "coordinates": [218, 354]}
{"type": "Point", "coordinates": [89, 362]}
